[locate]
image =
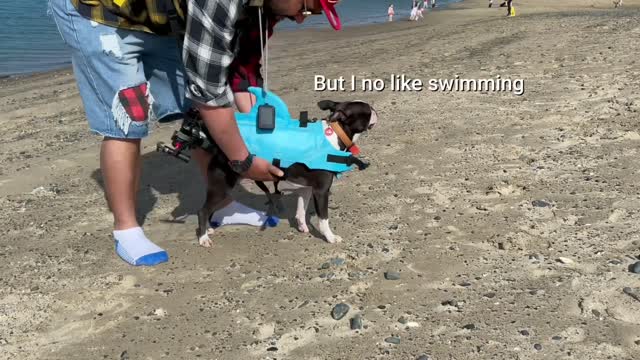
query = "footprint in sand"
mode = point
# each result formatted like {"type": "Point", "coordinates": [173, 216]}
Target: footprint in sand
{"type": "Point", "coordinates": [613, 303]}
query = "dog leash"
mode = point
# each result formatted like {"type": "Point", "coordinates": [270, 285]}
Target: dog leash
{"type": "Point", "coordinates": [264, 50]}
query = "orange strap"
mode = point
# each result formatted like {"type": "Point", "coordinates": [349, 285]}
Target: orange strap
{"type": "Point", "coordinates": [341, 134]}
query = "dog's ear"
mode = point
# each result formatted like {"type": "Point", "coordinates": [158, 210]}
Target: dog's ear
{"type": "Point", "coordinates": [327, 105]}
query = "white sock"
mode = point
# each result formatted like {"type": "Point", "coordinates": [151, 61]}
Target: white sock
{"type": "Point", "coordinates": [238, 214]}
{"type": "Point", "coordinates": [134, 247]}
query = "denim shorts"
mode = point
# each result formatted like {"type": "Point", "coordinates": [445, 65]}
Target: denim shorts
{"type": "Point", "coordinates": [126, 78]}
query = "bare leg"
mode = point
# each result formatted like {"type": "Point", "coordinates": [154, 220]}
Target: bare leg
{"type": "Point", "coordinates": [120, 165]}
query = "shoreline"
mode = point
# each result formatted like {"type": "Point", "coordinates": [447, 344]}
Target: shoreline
{"type": "Point", "coordinates": [279, 31]}
{"type": "Point", "coordinates": [364, 27]}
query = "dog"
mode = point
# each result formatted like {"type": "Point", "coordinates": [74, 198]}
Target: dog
{"type": "Point", "coordinates": [354, 117]}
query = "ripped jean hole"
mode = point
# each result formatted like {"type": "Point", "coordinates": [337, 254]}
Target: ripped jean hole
{"type": "Point", "coordinates": [133, 105]}
{"type": "Point", "coordinates": [111, 45]}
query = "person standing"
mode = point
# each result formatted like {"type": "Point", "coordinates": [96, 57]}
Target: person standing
{"type": "Point", "coordinates": [390, 12]}
{"type": "Point", "coordinates": [130, 71]}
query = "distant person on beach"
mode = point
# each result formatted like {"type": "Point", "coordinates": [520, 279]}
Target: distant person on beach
{"type": "Point", "coordinates": [130, 70]}
{"type": "Point", "coordinates": [419, 12]}
{"type": "Point", "coordinates": [490, 3]}
{"type": "Point", "coordinates": [433, 4]}
{"type": "Point", "coordinates": [420, 8]}
{"type": "Point", "coordinates": [390, 12]}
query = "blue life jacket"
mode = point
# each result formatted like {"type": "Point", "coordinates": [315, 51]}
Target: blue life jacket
{"type": "Point", "coordinates": [288, 142]}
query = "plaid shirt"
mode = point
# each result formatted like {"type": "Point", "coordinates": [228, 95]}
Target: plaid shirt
{"type": "Point", "coordinates": [245, 68]}
{"type": "Point", "coordinates": [209, 42]}
{"type": "Point", "coordinates": [208, 50]}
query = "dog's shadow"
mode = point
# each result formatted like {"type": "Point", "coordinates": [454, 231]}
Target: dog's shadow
{"type": "Point", "coordinates": [165, 175]}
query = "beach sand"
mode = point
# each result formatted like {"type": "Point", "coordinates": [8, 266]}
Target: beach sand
{"type": "Point", "coordinates": [512, 220]}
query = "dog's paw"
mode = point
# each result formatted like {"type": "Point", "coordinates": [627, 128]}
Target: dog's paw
{"type": "Point", "coordinates": [333, 239]}
{"type": "Point", "coordinates": [205, 241]}
{"type": "Point", "coordinates": [302, 224]}
{"type": "Point", "coordinates": [303, 228]}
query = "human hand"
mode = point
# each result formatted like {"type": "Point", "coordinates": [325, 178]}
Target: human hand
{"type": "Point", "coordinates": [262, 170]}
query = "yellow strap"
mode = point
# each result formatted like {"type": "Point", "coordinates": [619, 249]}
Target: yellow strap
{"type": "Point", "coordinates": [119, 2]}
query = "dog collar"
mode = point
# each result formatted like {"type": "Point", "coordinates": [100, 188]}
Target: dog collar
{"type": "Point", "coordinates": [341, 134]}
{"type": "Point", "coordinates": [333, 137]}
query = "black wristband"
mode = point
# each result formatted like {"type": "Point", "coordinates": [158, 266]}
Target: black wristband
{"type": "Point", "coordinates": [241, 166]}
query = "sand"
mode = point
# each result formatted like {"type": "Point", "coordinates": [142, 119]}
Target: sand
{"type": "Point", "coordinates": [511, 220]}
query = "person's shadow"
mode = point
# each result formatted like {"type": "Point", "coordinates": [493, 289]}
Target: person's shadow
{"type": "Point", "coordinates": [165, 175]}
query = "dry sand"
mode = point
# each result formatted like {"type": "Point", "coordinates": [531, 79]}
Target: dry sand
{"type": "Point", "coordinates": [511, 220]}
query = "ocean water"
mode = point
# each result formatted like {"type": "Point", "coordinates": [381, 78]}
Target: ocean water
{"type": "Point", "coordinates": [30, 42]}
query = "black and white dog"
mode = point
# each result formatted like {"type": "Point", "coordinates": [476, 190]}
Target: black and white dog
{"type": "Point", "coordinates": [348, 119]}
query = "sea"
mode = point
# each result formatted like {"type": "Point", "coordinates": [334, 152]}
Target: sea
{"type": "Point", "coordinates": [30, 42]}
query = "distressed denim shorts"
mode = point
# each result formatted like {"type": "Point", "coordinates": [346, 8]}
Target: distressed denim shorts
{"type": "Point", "coordinates": [126, 78]}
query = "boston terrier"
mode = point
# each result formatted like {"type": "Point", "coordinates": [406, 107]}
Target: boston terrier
{"type": "Point", "coordinates": [345, 123]}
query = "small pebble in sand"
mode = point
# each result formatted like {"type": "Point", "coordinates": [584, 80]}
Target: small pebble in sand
{"type": "Point", "coordinates": [537, 347]}
{"type": "Point", "coordinates": [524, 332]}
{"type": "Point", "coordinates": [469, 327]}
{"type": "Point", "coordinates": [423, 357]}
{"type": "Point", "coordinates": [392, 275]}
{"type": "Point", "coordinates": [536, 258]}
{"type": "Point", "coordinates": [356, 322]}
{"type": "Point", "coordinates": [490, 295]}
{"type": "Point", "coordinates": [325, 266]}
{"type": "Point", "coordinates": [403, 320]}
{"type": "Point", "coordinates": [556, 338]}
{"type": "Point", "coordinates": [124, 355]}
{"type": "Point", "coordinates": [540, 203]}
{"type": "Point", "coordinates": [339, 311]}
{"type": "Point", "coordinates": [564, 260]}
{"type": "Point", "coordinates": [635, 268]}
{"type": "Point", "coordinates": [393, 340]}
{"type": "Point", "coordinates": [337, 261]}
